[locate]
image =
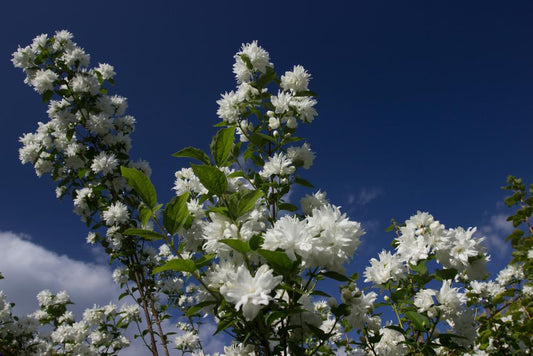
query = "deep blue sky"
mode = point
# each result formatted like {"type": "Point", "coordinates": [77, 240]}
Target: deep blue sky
{"type": "Point", "coordinates": [423, 105]}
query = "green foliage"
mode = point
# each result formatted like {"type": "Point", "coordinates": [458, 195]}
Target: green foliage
{"type": "Point", "coordinates": [141, 184]}
{"type": "Point", "coordinates": [176, 213]}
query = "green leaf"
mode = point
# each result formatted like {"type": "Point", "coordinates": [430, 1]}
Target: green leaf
{"type": "Point", "coordinates": [320, 293]}
{"type": "Point", "coordinates": [176, 213]}
{"type": "Point", "coordinates": [145, 214]}
{"type": "Point", "coordinates": [277, 259]}
{"type": "Point", "coordinates": [303, 182]}
{"type": "Point", "coordinates": [145, 234]}
{"type": "Point", "coordinates": [256, 242]}
{"type": "Point", "coordinates": [222, 144]}
{"type": "Point", "coordinates": [420, 321]}
{"type": "Point", "coordinates": [212, 178]}
{"type": "Point", "coordinates": [141, 184]}
{"type": "Point", "coordinates": [224, 324]}
{"type": "Point", "coordinates": [420, 267]}
{"type": "Point", "coordinates": [239, 245]}
{"type": "Point", "coordinates": [248, 201]}
{"type": "Point", "coordinates": [193, 152]}
{"type": "Point", "coordinates": [47, 95]}
{"type": "Point", "coordinates": [204, 260]}
{"type": "Point", "coordinates": [446, 274]}
{"type": "Point", "coordinates": [317, 331]}
{"type": "Point", "coordinates": [195, 309]}
{"type": "Point", "coordinates": [336, 276]}
{"type": "Point", "coordinates": [178, 265]}
{"type": "Point", "coordinates": [288, 207]}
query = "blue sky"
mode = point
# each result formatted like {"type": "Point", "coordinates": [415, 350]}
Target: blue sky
{"type": "Point", "coordinates": [423, 105]}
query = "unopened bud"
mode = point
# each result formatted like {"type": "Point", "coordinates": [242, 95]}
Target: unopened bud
{"type": "Point", "coordinates": [332, 302]}
{"type": "Point", "coordinates": [386, 298]}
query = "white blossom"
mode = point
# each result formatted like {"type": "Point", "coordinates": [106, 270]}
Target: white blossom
{"type": "Point", "coordinates": [250, 293]}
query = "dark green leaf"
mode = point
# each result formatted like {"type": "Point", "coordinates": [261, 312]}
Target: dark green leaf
{"type": "Point", "coordinates": [141, 184]}
{"type": "Point", "coordinates": [222, 144]}
{"type": "Point", "coordinates": [178, 265]}
{"type": "Point", "coordinates": [212, 178]}
{"type": "Point", "coordinates": [256, 242]}
{"type": "Point", "coordinates": [446, 274]}
{"type": "Point", "coordinates": [239, 245]}
{"type": "Point", "coordinates": [320, 293]}
{"type": "Point", "coordinates": [317, 331]}
{"type": "Point", "coordinates": [176, 213]}
{"type": "Point", "coordinates": [277, 259]}
{"type": "Point", "coordinates": [145, 234]}
{"type": "Point", "coordinates": [336, 276]}
{"type": "Point", "coordinates": [303, 182]}
{"type": "Point", "coordinates": [224, 324]}
{"type": "Point", "coordinates": [193, 152]}
{"type": "Point", "coordinates": [288, 207]}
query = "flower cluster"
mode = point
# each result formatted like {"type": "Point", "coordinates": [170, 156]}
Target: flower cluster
{"type": "Point", "coordinates": [99, 332]}
{"type": "Point", "coordinates": [233, 245]}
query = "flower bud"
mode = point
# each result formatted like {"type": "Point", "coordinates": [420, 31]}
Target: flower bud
{"type": "Point", "coordinates": [332, 302]}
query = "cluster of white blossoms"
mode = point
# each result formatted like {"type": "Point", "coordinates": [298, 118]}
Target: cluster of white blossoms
{"type": "Point", "coordinates": [326, 237]}
{"type": "Point", "coordinates": [232, 244]}
{"type": "Point", "coordinates": [99, 332]}
{"type": "Point", "coordinates": [422, 237]}
{"type": "Point", "coordinates": [87, 137]}
{"type": "Point", "coordinates": [292, 101]}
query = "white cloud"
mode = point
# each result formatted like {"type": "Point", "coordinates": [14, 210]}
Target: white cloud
{"type": "Point", "coordinates": [366, 195]}
{"type": "Point", "coordinates": [29, 268]}
{"type": "Point", "coordinates": [495, 233]}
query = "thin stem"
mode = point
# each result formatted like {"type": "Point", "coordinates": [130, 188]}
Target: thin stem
{"type": "Point", "coordinates": [146, 312]}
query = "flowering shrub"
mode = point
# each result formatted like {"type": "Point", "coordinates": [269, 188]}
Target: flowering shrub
{"type": "Point", "coordinates": [233, 246]}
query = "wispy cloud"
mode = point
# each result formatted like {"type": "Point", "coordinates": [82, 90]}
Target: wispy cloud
{"type": "Point", "coordinates": [495, 233]}
{"type": "Point", "coordinates": [365, 196]}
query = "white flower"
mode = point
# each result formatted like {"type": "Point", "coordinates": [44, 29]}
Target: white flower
{"type": "Point", "coordinates": [424, 299]}
{"type": "Point", "coordinates": [188, 182]}
{"type": "Point", "coordinates": [305, 108]}
{"type": "Point", "coordinates": [282, 101]}
{"type": "Point", "coordinates": [107, 71]}
{"type": "Point", "coordinates": [187, 340]}
{"type": "Point", "coordinates": [297, 80]}
{"type": "Point", "coordinates": [278, 164]}
{"type": "Point", "coordinates": [310, 202]}
{"type": "Point", "coordinates": [104, 163]}
{"type": "Point", "coordinates": [450, 298]}
{"type": "Point", "coordinates": [85, 84]}
{"type": "Point", "coordinates": [291, 235]}
{"type": "Point", "coordinates": [338, 237]}
{"type": "Point", "coordinates": [258, 57]}
{"type": "Point", "coordinates": [229, 107]}
{"type": "Point", "coordinates": [23, 57]}
{"type": "Point", "coordinates": [77, 57]}
{"type": "Point", "coordinates": [239, 350]}
{"type": "Point", "coordinates": [44, 80]}
{"type": "Point", "coordinates": [509, 273]}
{"type": "Point", "coordinates": [388, 267]}
{"type": "Point", "coordinates": [301, 156]}
{"type": "Point", "coordinates": [360, 306]}
{"type": "Point", "coordinates": [116, 213]}
{"type": "Point", "coordinates": [390, 343]}
{"type": "Point", "coordinates": [250, 293]}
